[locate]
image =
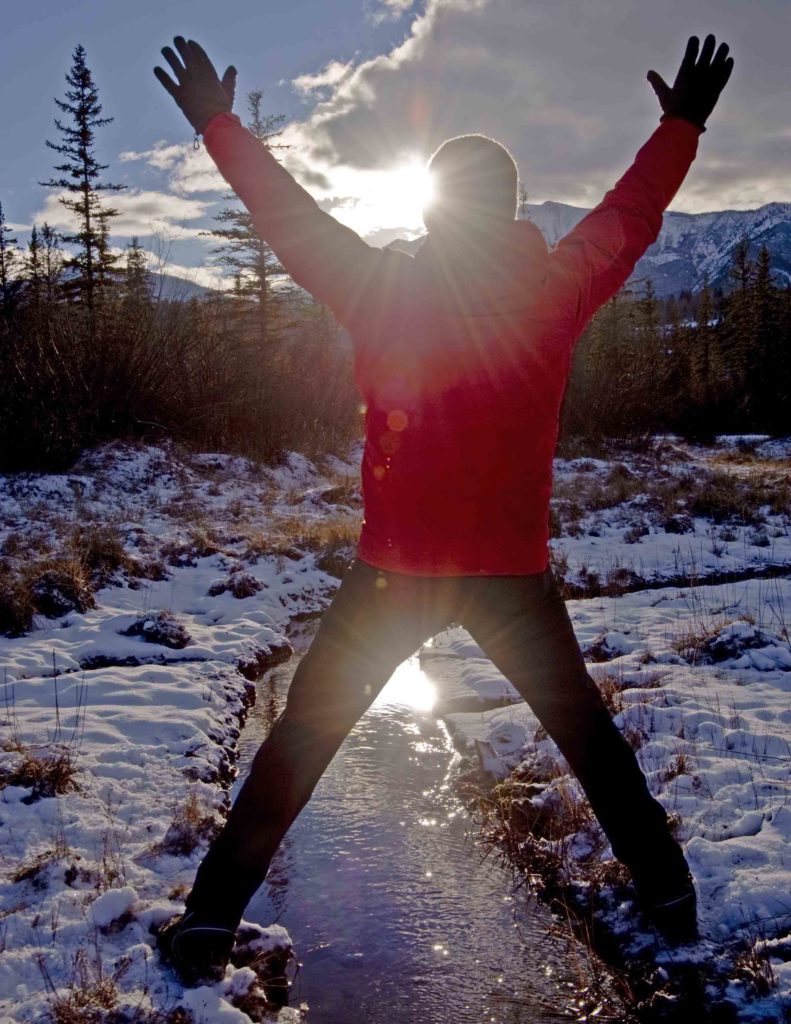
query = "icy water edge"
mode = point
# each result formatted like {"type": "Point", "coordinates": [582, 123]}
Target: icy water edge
{"type": "Point", "coordinates": [394, 916]}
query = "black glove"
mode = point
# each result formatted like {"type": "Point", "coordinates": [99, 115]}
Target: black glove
{"type": "Point", "coordinates": [198, 90]}
{"type": "Point", "coordinates": [698, 84]}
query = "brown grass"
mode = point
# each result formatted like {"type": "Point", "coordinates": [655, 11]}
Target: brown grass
{"type": "Point", "coordinates": [611, 688]}
{"type": "Point", "coordinates": [47, 771]}
{"type": "Point", "coordinates": [334, 536]}
{"type": "Point", "coordinates": [192, 825]}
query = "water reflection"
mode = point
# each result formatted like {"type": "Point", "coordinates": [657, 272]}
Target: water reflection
{"type": "Point", "coordinates": [394, 915]}
{"type": "Point", "coordinates": [410, 687]}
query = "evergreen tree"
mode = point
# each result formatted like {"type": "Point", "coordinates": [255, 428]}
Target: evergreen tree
{"type": "Point", "coordinates": [8, 258]}
{"type": "Point", "coordinates": [766, 368]}
{"type": "Point", "coordinates": [93, 262]}
{"type": "Point", "coordinates": [738, 334]}
{"type": "Point", "coordinates": [252, 262]}
{"type": "Point", "coordinates": [34, 269]}
{"type": "Point", "coordinates": [51, 263]}
{"type": "Point", "coordinates": [137, 284]}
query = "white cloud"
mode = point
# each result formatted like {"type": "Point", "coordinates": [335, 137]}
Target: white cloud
{"type": "Point", "coordinates": [189, 170]}
{"type": "Point", "coordinates": [563, 86]}
{"type": "Point", "coordinates": [378, 11]}
{"type": "Point", "coordinates": [139, 213]}
{"type": "Point", "coordinates": [331, 75]}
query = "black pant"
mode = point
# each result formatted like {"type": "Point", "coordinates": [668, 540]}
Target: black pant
{"type": "Point", "coordinates": [378, 619]}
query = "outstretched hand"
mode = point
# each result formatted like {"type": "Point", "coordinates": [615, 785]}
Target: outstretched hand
{"type": "Point", "coordinates": [698, 84]}
{"type": "Point", "coordinates": [198, 90]}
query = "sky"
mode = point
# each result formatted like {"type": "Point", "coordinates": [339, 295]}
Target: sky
{"type": "Point", "coordinates": [370, 88]}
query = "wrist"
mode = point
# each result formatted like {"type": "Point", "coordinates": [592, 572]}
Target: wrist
{"type": "Point", "coordinates": [207, 116]}
{"type": "Point", "coordinates": [674, 115]}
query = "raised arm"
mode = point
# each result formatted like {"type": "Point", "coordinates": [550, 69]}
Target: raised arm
{"type": "Point", "coordinates": [594, 260]}
{"type": "Point", "coordinates": [323, 256]}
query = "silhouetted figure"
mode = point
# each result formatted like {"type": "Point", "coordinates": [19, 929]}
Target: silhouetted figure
{"type": "Point", "coordinates": [462, 354]}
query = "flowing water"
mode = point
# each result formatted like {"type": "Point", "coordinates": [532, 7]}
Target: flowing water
{"type": "Point", "coordinates": [394, 916]}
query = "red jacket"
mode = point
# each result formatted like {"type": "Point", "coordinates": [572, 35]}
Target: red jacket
{"type": "Point", "coordinates": [462, 363]}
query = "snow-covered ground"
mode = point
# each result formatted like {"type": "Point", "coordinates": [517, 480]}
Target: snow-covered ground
{"type": "Point", "coordinates": [133, 707]}
{"type": "Point", "coordinates": [700, 681]}
{"type": "Point", "coordinates": [676, 513]}
{"type": "Point", "coordinates": [122, 708]}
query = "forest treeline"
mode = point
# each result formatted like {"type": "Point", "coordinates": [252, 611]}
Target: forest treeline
{"type": "Point", "coordinates": [698, 364]}
{"type": "Point", "coordinates": [90, 350]}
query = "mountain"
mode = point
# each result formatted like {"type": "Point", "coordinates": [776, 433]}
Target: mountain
{"type": "Point", "coordinates": [689, 246]}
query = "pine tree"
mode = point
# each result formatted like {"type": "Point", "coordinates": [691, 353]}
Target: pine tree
{"type": "Point", "coordinates": [137, 280]}
{"type": "Point", "coordinates": [52, 263]}
{"type": "Point", "coordinates": [8, 258]}
{"type": "Point", "coordinates": [93, 262]}
{"type": "Point", "coordinates": [766, 369]}
{"type": "Point", "coordinates": [252, 262]}
{"type": "Point", "coordinates": [738, 334]}
{"type": "Point", "coordinates": [34, 270]}
{"type": "Point", "coordinates": [700, 360]}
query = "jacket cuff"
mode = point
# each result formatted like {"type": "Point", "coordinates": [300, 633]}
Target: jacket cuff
{"type": "Point", "coordinates": [699, 128]}
{"type": "Point", "coordinates": [217, 121]}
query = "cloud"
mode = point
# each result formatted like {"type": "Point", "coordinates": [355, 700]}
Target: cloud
{"type": "Point", "coordinates": [378, 11]}
{"type": "Point", "coordinates": [189, 170]}
{"type": "Point", "coordinates": [330, 76]}
{"type": "Point", "coordinates": [562, 85]}
{"type": "Point", "coordinates": [139, 213]}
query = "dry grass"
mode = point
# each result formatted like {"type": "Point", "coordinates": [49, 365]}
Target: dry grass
{"type": "Point", "coordinates": [46, 771]}
{"type": "Point", "coordinates": [100, 549]}
{"type": "Point", "coordinates": [192, 825]}
{"type": "Point", "coordinates": [31, 870]}
{"type": "Point", "coordinates": [50, 586]}
{"type": "Point", "coordinates": [681, 764]}
{"type": "Point", "coordinates": [611, 689]}
{"type": "Point", "coordinates": [333, 536]}
{"type": "Point", "coordinates": [89, 996]}
{"type": "Point", "coordinates": [693, 643]}
{"type": "Point", "coordinates": [343, 490]}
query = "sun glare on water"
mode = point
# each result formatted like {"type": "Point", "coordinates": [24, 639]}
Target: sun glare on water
{"type": "Point", "coordinates": [409, 685]}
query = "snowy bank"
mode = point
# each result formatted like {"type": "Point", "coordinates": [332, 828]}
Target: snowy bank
{"type": "Point", "coordinates": [121, 716]}
{"type": "Point", "coordinates": [699, 681]}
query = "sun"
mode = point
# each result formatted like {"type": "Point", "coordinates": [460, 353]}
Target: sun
{"type": "Point", "coordinates": [411, 188]}
{"type": "Point", "coordinates": [388, 198]}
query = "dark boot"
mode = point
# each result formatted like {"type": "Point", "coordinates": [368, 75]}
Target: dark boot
{"type": "Point", "coordinates": [198, 950]}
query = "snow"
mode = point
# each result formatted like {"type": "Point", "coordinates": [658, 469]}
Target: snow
{"type": "Point", "coordinates": [111, 905]}
{"type": "Point", "coordinates": [715, 745]}
{"type": "Point", "coordinates": [142, 697]}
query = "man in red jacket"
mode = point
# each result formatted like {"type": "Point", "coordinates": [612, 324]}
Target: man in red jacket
{"type": "Point", "coordinates": [462, 354]}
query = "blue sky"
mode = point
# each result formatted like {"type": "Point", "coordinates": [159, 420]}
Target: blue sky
{"type": "Point", "coordinates": [371, 87]}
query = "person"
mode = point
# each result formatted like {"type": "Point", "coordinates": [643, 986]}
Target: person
{"type": "Point", "coordinates": [462, 354]}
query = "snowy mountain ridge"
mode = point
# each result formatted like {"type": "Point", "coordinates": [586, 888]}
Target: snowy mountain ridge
{"type": "Point", "coordinates": [691, 245]}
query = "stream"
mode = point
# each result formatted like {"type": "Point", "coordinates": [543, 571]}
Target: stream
{"type": "Point", "coordinates": [394, 916]}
